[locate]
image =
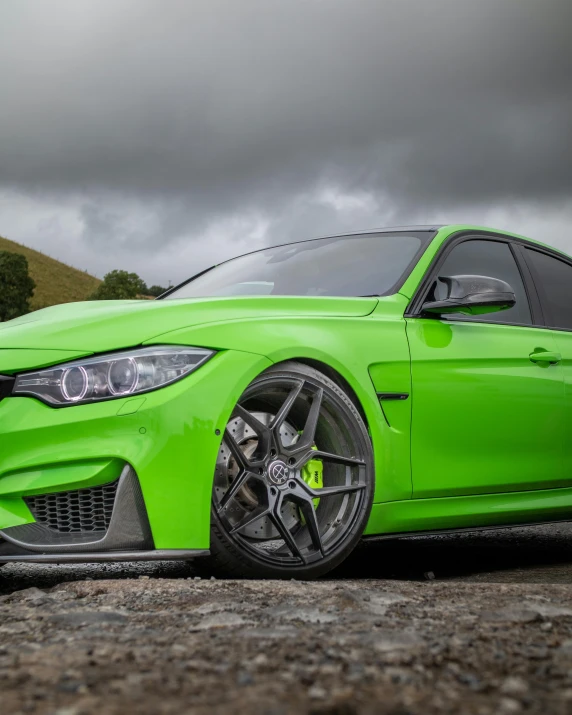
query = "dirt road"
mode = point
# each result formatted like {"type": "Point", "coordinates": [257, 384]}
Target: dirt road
{"type": "Point", "coordinates": [460, 624]}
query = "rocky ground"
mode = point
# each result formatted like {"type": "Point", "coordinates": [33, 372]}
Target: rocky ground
{"type": "Point", "coordinates": [458, 624]}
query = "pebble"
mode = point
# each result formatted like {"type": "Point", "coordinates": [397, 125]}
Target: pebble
{"type": "Point", "coordinates": [220, 620]}
{"type": "Point", "coordinates": [317, 693]}
{"type": "Point", "coordinates": [511, 615]}
{"type": "Point", "coordinates": [514, 686]}
{"type": "Point", "coordinates": [79, 618]}
{"type": "Point", "coordinates": [244, 678]}
{"type": "Point", "coordinates": [509, 705]}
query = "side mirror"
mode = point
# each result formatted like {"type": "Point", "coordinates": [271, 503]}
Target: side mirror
{"type": "Point", "coordinates": [470, 295]}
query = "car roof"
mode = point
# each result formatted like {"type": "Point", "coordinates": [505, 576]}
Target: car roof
{"type": "Point", "coordinates": [384, 229]}
{"type": "Point", "coordinates": [421, 227]}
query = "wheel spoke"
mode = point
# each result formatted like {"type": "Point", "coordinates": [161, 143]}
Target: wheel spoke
{"type": "Point", "coordinates": [336, 458]}
{"type": "Point", "coordinates": [250, 518]}
{"type": "Point", "coordinates": [262, 432]}
{"type": "Point", "coordinates": [260, 428]}
{"type": "Point", "coordinates": [309, 513]}
{"type": "Point", "coordinates": [283, 412]}
{"type": "Point", "coordinates": [308, 436]}
{"type": "Point", "coordinates": [304, 491]}
{"type": "Point", "coordinates": [333, 491]}
{"type": "Point", "coordinates": [327, 457]}
{"type": "Point", "coordinates": [235, 450]}
{"type": "Point", "coordinates": [236, 484]}
{"type": "Point", "coordinates": [284, 532]}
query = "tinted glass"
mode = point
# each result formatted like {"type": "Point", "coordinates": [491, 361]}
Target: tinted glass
{"type": "Point", "coordinates": [345, 266]}
{"type": "Point", "coordinates": [495, 260]}
{"type": "Point", "coordinates": [555, 288]}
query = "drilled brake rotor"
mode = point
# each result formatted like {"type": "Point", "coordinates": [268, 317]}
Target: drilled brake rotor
{"type": "Point", "coordinates": [246, 499]}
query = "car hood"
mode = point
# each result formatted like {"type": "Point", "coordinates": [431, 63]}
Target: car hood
{"type": "Point", "coordinates": [99, 326]}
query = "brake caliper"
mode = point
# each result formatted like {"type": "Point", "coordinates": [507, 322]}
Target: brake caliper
{"type": "Point", "coordinates": [313, 474]}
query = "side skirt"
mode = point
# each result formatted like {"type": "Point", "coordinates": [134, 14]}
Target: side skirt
{"type": "Point", "coordinates": [464, 530]}
{"type": "Point", "coordinates": [477, 511]}
{"type": "Point", "coordinates": [78, 558]}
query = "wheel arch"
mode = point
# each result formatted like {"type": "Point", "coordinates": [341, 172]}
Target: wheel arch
{"type": "Point", "coordinates": [336, 377]}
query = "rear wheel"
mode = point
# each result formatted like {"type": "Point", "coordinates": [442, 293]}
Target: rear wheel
{"type": "Point", "coordinates": [294, 480]}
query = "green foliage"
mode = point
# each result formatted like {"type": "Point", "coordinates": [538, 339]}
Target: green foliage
{"type": "Point", "coordinates": [16, 285]}
{"type": "Point", "coordinates": [55, 281]}
{"type": "Point", "coordinates": [155, 291]}
{"type": "Point", "coordinates": [120, 285]}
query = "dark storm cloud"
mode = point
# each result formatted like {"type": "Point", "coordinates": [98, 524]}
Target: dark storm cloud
{"type": "Point", "coordinates": [198, 110]}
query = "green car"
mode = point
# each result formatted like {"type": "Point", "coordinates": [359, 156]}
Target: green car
{"type": "Point", "coordinates": [275, 409]}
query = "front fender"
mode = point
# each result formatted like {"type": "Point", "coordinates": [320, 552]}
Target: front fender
{"type": "Point", "coordinates": [363, 350]}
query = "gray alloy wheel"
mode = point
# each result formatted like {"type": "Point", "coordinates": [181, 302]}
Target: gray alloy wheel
{"type": "Point", "coordinates": [294, 479]}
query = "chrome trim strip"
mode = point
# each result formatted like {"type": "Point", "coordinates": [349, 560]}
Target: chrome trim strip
{"type": "Point", "coordinates": [156, 555]}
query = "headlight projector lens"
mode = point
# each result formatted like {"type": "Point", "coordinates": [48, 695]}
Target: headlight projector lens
{"type": "Point", "coordinates": [75, 384]}
{"type": "Point", "coordinates": [122, 376]}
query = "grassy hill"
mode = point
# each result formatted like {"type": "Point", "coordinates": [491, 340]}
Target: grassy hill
{"type": "Point", "coordinates": [55, 282]}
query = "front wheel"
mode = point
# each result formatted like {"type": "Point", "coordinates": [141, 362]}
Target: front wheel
{"type": "Point", "coordinates": [294, 480]}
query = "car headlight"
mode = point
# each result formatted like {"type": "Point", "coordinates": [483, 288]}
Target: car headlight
{"type": "Point", "coordinates": [111, 376]}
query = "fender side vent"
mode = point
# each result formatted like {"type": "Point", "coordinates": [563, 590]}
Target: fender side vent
{"type": "Point", "coordinates": [82, 510]}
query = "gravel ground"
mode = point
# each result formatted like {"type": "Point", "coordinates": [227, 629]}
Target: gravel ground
{"type": "Point", "coordinates": [477, 623]}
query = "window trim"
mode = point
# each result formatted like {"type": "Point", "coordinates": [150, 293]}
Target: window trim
{"type": "Point", "coordinates": [537, 318]}
{"type": "Point", "coordinates": [549, 320]}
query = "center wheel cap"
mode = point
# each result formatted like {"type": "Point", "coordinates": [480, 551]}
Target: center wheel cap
{"type": "Point", "coordinates": [278, 472]}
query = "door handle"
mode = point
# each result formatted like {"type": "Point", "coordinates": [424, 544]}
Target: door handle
{"type": "Point", "coordinates": [545, 356]}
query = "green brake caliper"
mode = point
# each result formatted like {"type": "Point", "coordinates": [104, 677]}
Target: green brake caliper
{"type": "Point", "coordinates": [313, 474]}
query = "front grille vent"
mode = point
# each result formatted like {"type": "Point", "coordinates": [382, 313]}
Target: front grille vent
{"type": "Point", "coordinates": [82, 510]}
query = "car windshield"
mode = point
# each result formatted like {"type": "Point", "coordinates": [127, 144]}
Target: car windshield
{"type": "Point", "coordinates": [359, 265]}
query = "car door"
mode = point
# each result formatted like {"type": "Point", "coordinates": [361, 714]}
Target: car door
{"type": "Point", "coordinates": [553, 279]}
{"type": "Point", "coordinates": [487, 398]}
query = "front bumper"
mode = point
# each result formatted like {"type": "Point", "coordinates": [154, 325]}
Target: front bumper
{"type": "Point", "coordinates": [167, 440]}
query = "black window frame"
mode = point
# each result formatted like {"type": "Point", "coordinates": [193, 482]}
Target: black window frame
{"type": "Point", "coordinates": [414, 309]}
{"type": "Point", "coordinates": [548, 317]}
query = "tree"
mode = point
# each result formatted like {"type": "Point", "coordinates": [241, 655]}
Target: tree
{"type": "Point", "coordinates": [16, 285]}
{"type": "Point", "coordinates": [155, 291]}
{"type": "Point", "coordinates": [119, 285]}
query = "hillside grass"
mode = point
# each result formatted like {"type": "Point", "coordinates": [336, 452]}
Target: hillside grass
{"type": "Point", "coordinates": [55, 281]}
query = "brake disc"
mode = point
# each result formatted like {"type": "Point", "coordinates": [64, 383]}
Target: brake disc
{"type": "Point", "coordinates": [246, 499]}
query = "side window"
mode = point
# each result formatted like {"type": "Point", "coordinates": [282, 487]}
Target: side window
{"type": "Point", "coordinates": [493, 259]}
{"type": "Point", "coordinates": [555, 288]}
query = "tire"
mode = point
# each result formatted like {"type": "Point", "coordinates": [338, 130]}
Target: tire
{"type": "Point", "coordinates": [294, 482]}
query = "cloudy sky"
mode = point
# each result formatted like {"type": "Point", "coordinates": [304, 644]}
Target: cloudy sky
{"type": "Point", "coordinates": [162, 136]}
